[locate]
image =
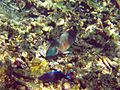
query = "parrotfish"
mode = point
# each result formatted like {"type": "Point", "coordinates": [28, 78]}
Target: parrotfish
{"type": "Point", "coordinates": [62, 44]}
{"type": "Point", "coordinates": [53, 76]}
{"type": "Point", "coordinates": [52, 50]}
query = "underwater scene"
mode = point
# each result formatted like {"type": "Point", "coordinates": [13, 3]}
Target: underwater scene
{"type": "Point", "coordinates": [59, 44]}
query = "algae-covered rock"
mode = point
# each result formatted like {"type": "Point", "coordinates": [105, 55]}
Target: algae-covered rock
{"type": "Point", "coordinates": [27, 26]}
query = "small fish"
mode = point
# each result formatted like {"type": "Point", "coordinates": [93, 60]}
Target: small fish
{"type": "Point", "coordinates": [67, 39]}
{"type": "Point", "coordinates": [53, 76]}
{"type": "Point", "coordinates": [52, 50]}
{"type": "Point", "coordinates": [63, 44]}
